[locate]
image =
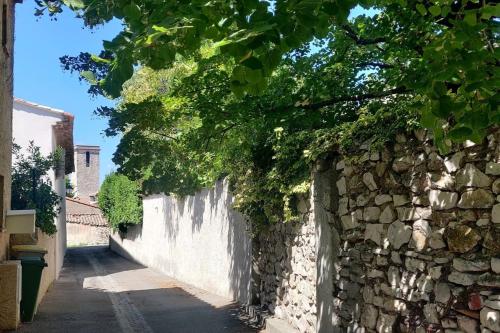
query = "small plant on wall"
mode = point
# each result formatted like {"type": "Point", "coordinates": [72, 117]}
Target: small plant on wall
{"type": "Point", "coordinates": [31, 186]}
{"type": "Point", "coordinates": [120, 202]}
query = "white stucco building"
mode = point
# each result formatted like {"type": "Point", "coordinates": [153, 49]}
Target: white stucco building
{"type": "Point", "coordinates": [49, 128]}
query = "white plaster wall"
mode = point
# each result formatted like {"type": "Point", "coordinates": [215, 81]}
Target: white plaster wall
{"type": "Point", "coordinates": [199, 240]}
{"type": "Point", "coordinates": [35, 123]}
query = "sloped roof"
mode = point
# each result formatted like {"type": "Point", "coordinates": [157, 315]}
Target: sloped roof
{"type": "Point", "coordinates": [81, 212]}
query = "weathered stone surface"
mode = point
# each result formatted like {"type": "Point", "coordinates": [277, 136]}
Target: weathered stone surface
{"type": "Point", "coordinates": [489, 280]}
{"type": "Point", "coordinates": [425, 284]}
{"type": "Point", "coordinates": [448, 323]}
{"type": "Point", "coordinates": [413, 213]}
{"type": "Point", "coordinates": [414, 265]}
{"type": "Point", "coordinates": [494, 304]}
{"type": "Point", "coordinates": [441, 200]}
{"type": "Point", "coordinates": [421, 233]}
{"type": "Point", "coordinates": [496, 186]}
{"type": "Point", "coordinates": [371, 214]}
{"type": "Point", "coordinates": [385, 323]}
{"type": "Point", "coordinates": [420, 200]}
{"type": "Point", "coordinates": [453, 164]}
{"type": "Point", "coordinates": [362, 200]}
{"type": "Point", "coordinates": [462, 238]}
{"type": "Point", "coordinates": [495, 214]}
{"type": "Point", "coordinates": [490, 319]}
{"type": "Point", "coordinates": [368, 294]}
{"type": "Point", "coordinates": [369, 316]}
{"type": "Point", "coordinates": [482, 222]}
{"type": "Point", "coordinates": [370, 181]}
{"type": "Point", "coordinates": [491, 241]}
{"type": "Point", "coordinates": [479, 198]}
{"type": "Point", "coordinates": [342, 186]}
{"type": "Point", "coordinates": [374, 232]}
{"type": "Point", "coordinates": [435, 272]}
{"type": "Point", "coordinates": [470, 176]}
{"type": "Point", "coordinates": [493, 168]}
{"type": "Point", "coordinates": [495, 265]}
{"type": "Point", "coordinates": [343, 206]}
{"type": "Point", "coordinates": [435, 162]}
{"type": "Point", "coordinates": [398, 234]}
{"type": "Point", "coordinates": [388, 215]}
{"type": "Point", "coordinates": [467, 324]}
{"type": "Point", "coordinates": [419, 182]}
{"type": "Point", "coordinates": [436, 240]}
{"type": "Point", "coordinates": [402, 164]}
{"type": "Point", "coordinates": [349, 221]}
{"type": "Point", "coordinates": [478, 265]}
{"type": "Point", "coordinates": [382, 199]}
{"type": "Point", "coordinates": [400, 199]}
{"type": "Point", "coordinates": [430, 313]}
{"type": "Point", "coordinates": [441, 181]}
{"type": "Point", "coordinates": [463, 279]}
{"type": "Point", "coordinates": [393, 276]}
{"type": "Point", "coordinates": [442, 292]}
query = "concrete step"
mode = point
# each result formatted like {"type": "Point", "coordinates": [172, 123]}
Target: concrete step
{"type": "Point", "coordinates": [275, 325]}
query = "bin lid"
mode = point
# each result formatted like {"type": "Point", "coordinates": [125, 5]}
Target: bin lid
{"type": "Point", "coordinates": [29, 248]}
{"type": "Point", "coordinates": [33, 261]}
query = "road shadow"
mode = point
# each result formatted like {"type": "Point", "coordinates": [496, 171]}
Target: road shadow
{"type": "Point", "coordinates": [99, 291]}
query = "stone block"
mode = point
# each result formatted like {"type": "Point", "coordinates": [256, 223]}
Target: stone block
{"type": "Point", "coordinates": [398, 234]}
{"type": "Point", "coordinates": [479, 198]}
{"type": "Point", "coordinates": [470, 176]}
{"type": "Point", "coordinates": [493, 168]}
{"type": "Point", "coordinates": [440, 200]}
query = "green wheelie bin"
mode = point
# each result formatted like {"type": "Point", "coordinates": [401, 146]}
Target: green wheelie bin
{"type": "Point", "coordinates": [31, 276]}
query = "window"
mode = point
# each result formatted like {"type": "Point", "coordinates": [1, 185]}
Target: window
{"type": "Point", "coordinates": [4, 25]}
{"type": "Point", "coordinates": [87, 159]}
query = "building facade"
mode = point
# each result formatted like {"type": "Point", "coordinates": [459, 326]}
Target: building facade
{"type": "Point", "coordinates": [85, 179]}
{"type": "Point", "coordinates": [49, 129]}
{"type": "Point", "coordinates": [6, 89]}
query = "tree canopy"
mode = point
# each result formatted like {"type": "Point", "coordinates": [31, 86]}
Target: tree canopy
{"type": "Point", "coordinates": [442, 52]}
{"type": "Point", "coordinates": [119, 201]}
{"type": "Point", "coordinates": [257, 90]}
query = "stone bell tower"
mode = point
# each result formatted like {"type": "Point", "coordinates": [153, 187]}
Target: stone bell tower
{"type": "Point", "coordinates": [86, 176]}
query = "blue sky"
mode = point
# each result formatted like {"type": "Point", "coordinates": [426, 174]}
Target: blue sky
{"type": "Point", "coordinates": [38, 76]}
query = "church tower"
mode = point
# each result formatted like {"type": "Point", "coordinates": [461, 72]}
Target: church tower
{"type": "Point", "coordinates": [86, 176]}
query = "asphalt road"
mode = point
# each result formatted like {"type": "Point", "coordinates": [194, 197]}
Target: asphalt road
{"type": "Point", "coordinates": [99, 291]}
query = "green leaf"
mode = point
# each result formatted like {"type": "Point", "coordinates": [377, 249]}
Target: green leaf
{"type": "Point", "coordinates": [254, 75]}
{"type": "Point", "coordinates": [132, 12]}
{"type": "Point", "coordinates": [459, 133]}
{"type": "Point", "coordinates": [99, 59]}
{"type": "Point", "coordinates": [428, 119]}
{"type": "Point", "coordinates": [435, 10]}
{"type": "Point", "coordinates": [252, 63]}
{"type": "Point", "coordinates": [89, 76]}
{"type": "Point", "coordinates": [470, 18]}
{"type": "Point", "coordinates": [74, 4]}
{"type": "Point", "coordinates": [421, 9]}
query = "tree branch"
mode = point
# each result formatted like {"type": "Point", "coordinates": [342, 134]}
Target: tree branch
{"type": "Point", "coordinates": [374, 64]}
{"type": "Point", "coordinates": [350, 32]}
{"type": "Point", "coordinates": [352, 98]}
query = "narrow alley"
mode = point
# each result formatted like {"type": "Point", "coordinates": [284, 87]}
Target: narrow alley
{"type": "Point", "coordinates": [99, 291]}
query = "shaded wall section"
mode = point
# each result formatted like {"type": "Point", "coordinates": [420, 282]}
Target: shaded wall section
{"type": "Point", "coordinates": [198, 239]}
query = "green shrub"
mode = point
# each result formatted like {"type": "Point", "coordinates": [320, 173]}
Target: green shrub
{"type": "Point", "coordinates": [31, 187]}
{"type": "Point", "coordinates": [119, 201]}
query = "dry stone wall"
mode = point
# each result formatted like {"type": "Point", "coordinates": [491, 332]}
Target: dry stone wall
{"type": "Point", "coordinates": [287, 266]}
{"type": "Point", "coordinates": [420, 238]}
